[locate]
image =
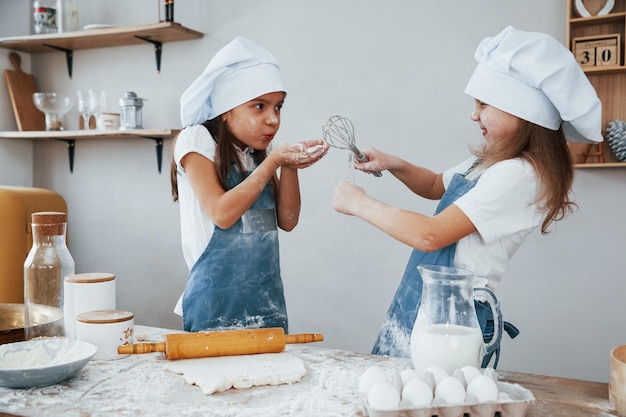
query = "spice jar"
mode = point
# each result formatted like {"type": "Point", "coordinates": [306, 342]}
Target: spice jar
{"type": "Point", "coordinates": [106, 329]}
{"type": "Point", "coordinates": [45, 16]}
{"type": "Point", "coordinates": [48, 261]}
{"type": "Point", "coordinates": [130, 111]}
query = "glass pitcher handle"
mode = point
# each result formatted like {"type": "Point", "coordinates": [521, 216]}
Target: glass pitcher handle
{"type": "Point", "coordinates": [485, 294]}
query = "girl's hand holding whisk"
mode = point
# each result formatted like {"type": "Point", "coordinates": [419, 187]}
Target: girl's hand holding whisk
{"type": "Point", "coordinates": [299, 155]}
{"type": "Point", "coordinates": [378, 161]}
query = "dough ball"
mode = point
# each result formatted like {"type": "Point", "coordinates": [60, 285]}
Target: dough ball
{"type": "Point", "coordinates": [371, 376]}
{"type": "Point", "coordinates": [408, 374]}
{"type": "Point", "coordinates": [438, 373]}
{"type": "Point", "coordinates": [450, 390]}
{"type": "Point", "coordinates": [469, 372]}
{"type": "Point", "coordinates": [383, 396]}
{"type": "Point", "coordinates": [416, 393]}
{"type": "Point", "coordinates": [483, 389]}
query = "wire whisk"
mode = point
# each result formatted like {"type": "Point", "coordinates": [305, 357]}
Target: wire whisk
{"type": "Point", "coordinates": [338, 132]}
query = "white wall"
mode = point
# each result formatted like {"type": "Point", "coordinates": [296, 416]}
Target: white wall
{"type": "Point", "coordinates": [398, 69]}
{"type": "Point", "coordinates": [16, 156]}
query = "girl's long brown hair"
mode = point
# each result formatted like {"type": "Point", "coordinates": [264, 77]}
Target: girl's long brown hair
{"type": "Point", "coordinates": [224, 152]}
{"type": "Point", "coordinates": [549, 154]}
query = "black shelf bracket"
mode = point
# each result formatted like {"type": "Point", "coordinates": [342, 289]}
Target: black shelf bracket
{"type": "Point", "coordinates": [71, 146]}
{"type": "Point", "coordinates": [158, 48]}
{"type": "Point", "coordinates": [69, 57]}
{"type": "Point", "coordinates": [159, 150]}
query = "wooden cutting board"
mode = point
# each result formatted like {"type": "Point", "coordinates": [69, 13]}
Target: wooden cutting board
{"type": "Point", "coordinates": [21, 88]}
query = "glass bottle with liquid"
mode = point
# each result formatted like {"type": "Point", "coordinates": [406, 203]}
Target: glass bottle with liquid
{"type": "Point", "coordinates": [67, 15]}
{"type": "Point", "coordinates": [46, 265]}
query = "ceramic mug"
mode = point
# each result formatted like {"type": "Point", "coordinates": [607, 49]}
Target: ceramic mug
{"type": "Point", "coordinates": [106, 329]}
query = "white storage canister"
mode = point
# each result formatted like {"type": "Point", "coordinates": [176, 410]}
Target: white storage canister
{"type": "Point", "coordinates": [87, 292]}
{"type": "Point", "coordinates": [106, 329]}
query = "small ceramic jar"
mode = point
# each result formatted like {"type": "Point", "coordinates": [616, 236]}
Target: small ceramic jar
{"type": "Point", "coordinates": [87, 292]}
{"type": "Point", "coordinates": [108, 121]}
{"type": "Point", "coordinates": [106, 329]}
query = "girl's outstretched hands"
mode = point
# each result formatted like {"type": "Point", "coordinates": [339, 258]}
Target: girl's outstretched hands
{"type": "Point", "coordinates": [300, 154]}
{"type": "Point", "coordinates": [347, 198]}
{"type": "Point", "coordinates": [378, 161]}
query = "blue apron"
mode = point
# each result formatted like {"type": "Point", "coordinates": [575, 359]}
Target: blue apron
{"type": "Point", "coordinates": [395, 334]}
{"type": "Point", "coordinates": [236, 281]}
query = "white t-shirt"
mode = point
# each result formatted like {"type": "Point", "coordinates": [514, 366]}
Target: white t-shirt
{"type": "Point", "coordinates": [195, 225]}
{"type": "Point", "coordinates": [501, 208]}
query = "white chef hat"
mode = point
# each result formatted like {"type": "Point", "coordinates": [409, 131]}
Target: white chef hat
{"type": "Point", "coordinates": [534, 77]}
{"type": "Point", "coordinates": [239, 72]}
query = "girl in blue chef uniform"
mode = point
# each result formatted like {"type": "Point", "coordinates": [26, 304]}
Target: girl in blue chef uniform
{"type": "Point", "coordinates": [530, 98]}
{"type": "Point", "coordinates": [224, 175]}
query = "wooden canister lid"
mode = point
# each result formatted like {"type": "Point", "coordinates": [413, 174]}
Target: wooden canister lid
{"type": "Point", "coordinates": [89, 278]}
{"type": "Point", "coordinates": [104, 316]}
{"type": "Point", "coordinates": [49, 223]}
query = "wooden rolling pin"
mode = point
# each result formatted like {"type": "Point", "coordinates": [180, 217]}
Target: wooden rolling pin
{"type": "Point", "coordinates": [221, 343]}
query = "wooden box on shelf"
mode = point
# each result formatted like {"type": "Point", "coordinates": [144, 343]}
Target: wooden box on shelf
{"type": "Point", "coordinates": [608, 75]}
{"type": "Point", "coordinates": [597, 51]}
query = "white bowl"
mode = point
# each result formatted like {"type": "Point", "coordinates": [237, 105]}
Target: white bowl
{"type": "Point", "coordinates": [37, 363]}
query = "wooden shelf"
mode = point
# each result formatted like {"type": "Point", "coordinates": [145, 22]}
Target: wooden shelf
{"type": "Point", "coordinates": [101, 38]}
{"type": "Point", "coordinates": [608, 81]}
{"type": "Point", "coordinates": [90, 134]}
{"type": "Point", "coordinates": [596, 20]}
{"type": "Point", "coordinates": [619, 69]}
{"type": "Point", "coordinates": [602, 165]}
{"type": "Point", "coordinates": [70, 137]}
{"type": "Point", "coordinates": [155, 34]}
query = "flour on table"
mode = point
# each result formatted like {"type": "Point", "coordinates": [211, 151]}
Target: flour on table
{"type": "Point", "coordinates": [218, 374]}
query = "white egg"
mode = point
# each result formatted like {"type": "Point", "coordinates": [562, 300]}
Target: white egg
{"type": "Point", "coordinates": [408, 374]}
{"type": "Point", "coordinates": [395, 379]}
{"type": "Point", "coordinates": [371, 376]}
{"type": "Point", "coordinates": [482, 389]}
{"type": "Point", "coordinates": [438, 373]}
{"type": "Point", "coordinates": [416, 393]}
{"type": "Point", "coordinates": [469, 372]}
{"type": "Point", "coordinates": [491, 373]}
{"type": "Point", "coordinates": [429, 379]}
{"type": "Point", "coordinates": [450, 390]}
{"type": "Point", "coordinates": [383, 396]}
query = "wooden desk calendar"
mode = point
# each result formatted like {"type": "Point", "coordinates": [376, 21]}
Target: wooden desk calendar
{"type": "Point", "coordinates": [597, 51]}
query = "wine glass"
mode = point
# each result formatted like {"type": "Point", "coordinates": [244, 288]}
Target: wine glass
{"type": "Point", "coordinates": [98, 100]}
{"type": "Point", "coordinates": [86, 107]}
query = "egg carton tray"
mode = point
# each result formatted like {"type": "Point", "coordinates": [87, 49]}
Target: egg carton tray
{"type": "Point", "coordinates": [516, 406]}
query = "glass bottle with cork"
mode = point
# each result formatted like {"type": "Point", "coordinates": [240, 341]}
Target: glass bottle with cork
{"type": "Point", "coordinates": [46, 265]}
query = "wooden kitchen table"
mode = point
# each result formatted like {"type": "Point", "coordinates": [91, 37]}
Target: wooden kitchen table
{"type": "Point", "coordinates": [139, 386]}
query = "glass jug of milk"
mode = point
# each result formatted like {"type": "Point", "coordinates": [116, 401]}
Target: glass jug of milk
{"type": "Point", "coordinates": [446, 332]}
